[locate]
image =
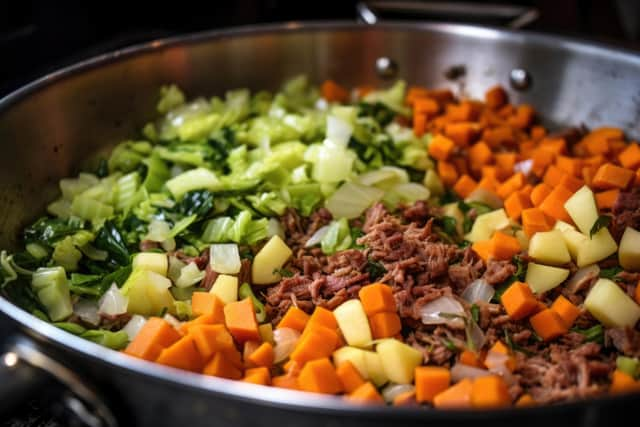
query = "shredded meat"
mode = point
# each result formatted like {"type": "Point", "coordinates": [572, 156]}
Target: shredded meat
{"type": "Point", "coordinates": [626, 212]}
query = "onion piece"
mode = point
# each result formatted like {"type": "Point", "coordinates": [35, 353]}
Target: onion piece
{"type": "Point", "coordinates": [496, 363]}
{"type": "Point", "coordinates": [87, 310]}
{"type": "Point", "coordinates": [478, 290]}
{"type": "Point", "coordinates": [391, 391]}
{"type": "Point", "coordinates": [351, 200]}
{"type": "Point", "coordinates": [224, 258]}
{"type": "Point", "coordinates": [460, 371]}
{"type": "Point", "coordinates": [431, 312]}
{"type": "Point", "coordinates": [317, 237]}
{"type": "Point", "coordinates": [475, 335]}
{"type": "Point", "coordinates": [113, 303]}
{"type": "Point", "coordinates": [172, 321]}
{"type": "Point", "coordinates": [338, 131]}
{"type": "Point", "coordinates": [592, 270]}
{"type": "Point", "coordinates": [523, 166]}
{"type": "Point", "coordinates": [190, 274]}
{"type": "Point", "coordinates": [134, 325]}
{"type": "Point", "coordinates": [175, 266]}
{"type": "Point", "coordinates": [285, 340]}
{"type": "Point", "coordinates": [274, 228]}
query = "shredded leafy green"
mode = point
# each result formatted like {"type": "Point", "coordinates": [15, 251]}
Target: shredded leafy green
{"type": "Point", "coordinates": [603, 221]}
{"type": "Point", "coordinates": [593, 334]}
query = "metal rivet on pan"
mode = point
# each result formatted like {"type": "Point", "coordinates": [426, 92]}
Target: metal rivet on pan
{"type": "Point", "coordinates": [386, 68]}
{"type": "Point", "coordinates": [520, 79]}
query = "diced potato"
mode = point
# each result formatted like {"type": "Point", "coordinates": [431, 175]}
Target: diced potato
{"type": "Point", "coordinates": [452, 210]}
{"type": "Point", "coordinates": [629, 251]}
{"type": "Point", "coordinates": [487, 224]}
{"type": "Point", "coordinates": [354, 355]}
{"type": "Point", "coordinates": [399, 360]}
{"type": "Point", "coordinates": [151, 261]}
{"type": "Point", "coordinates": [523, 239]}
{"type": "Point", "coordinates": [542, 278]}
{"type": "Point", "coordinates": [548, 247]}
{"type": "Point", "coordinates": [600, 246]}
{"type": "Point", "coordinates": [572, 237]}
{"type": "Point", "coordinates": [268, 260]}
{"type": "Point", "coordinates": [148, 293]}
{"type": "Point", "coordinates": [266, 332]}
{"type": "Point", "coordinates": [375, 368]}
{"type": "Point", "coordinates": [582, 209]}
{"type": "Point", "coordinates": [433, 183]}
{"type": "Point", "coordinates": [353, 322]}
{"type": "Point", "coordinates": [226, 288]}
{"type": "Point", "coordinates": [611, 305]}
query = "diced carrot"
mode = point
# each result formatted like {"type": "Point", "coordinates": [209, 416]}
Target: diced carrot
{"type": "Point", "coordinates": [426, 106]}
{"type": "Point", "coordinates": [260, 376]}
{"type": "Point", "coordinates": [490, 172]}
{"type": "Point", "coordinates": [611, 176]}
{"type": "Point", "coordinates": [385, 324]}
{"type": "Point", "coordinates": [523, 118]}
{"type": "Point", "coordinates": [447, 173]}
{"type": "Point", "coordinates": [539, 193]}
{"type": "Point", "coordinates": [483, 248]}
{"type": "Point", "coordinates": [555, 145]}
{"type": "Point", "coordinates": [221, 366]}
{"type": "Point", "coordinates": [516, 203]}
{"type": "Point", "coordinates": [414, 93]}
{"type": "Point", "coordinates": [505, 163]}
{"type": "Point", "coordinates": [630, 156]}
{"type": "Point", "coordinates": [588, 172]}
{"type": "Point", "coordinates": [285, 381]}
{"type": "Point", "coordinates": [534, 220]}
{"type": "Point", "coordinates": [503, 246]}
{"type": "Point", "coordinates": [525, 400]}
{"type": "Point", "coordinates": [548, 324]}
{"type": "Point", "coordinates": [333, 92]}
{"type": "Point", "coordinates": [537, 133]}
{"type": "Point", "coordinates": [595, 161]}
{"type": "Point", "coordinates": [527, 149]}
{"type": "Point", "coordinates": [553, 176]}
{"type": "Point", "coordinates": [479, 155]}
{"type": "Point", "coordinates": [156, 335]}
{"type": "Point", "coordinates": [616, 147]}
{"type": "Point", "coordinates": [571, 165]}
{"type": "Point", "coordinates": [349, 376]}
{"type": "Point", "coordinates": [294, 318]}
{"type": "Point", "coordinates": [597, 141]}
{"type": "Point", "coordinates": [462, 133]}
{"type": "Point", "coordinates": [205, 319]}
{"type": "Point", "coordinates": [210, 339]}
{"type": "Point", "coordinates": [526, 191]}
{"type": "Point", "coordinates": [489, 184]}
{"type": "Point", "coordinates": [431, 381]}
{"type": "Point", "coordinates": [499, 346]}
{"type": "Point", "coordinates": [519, 301]}
{"type": "Point", "coordinates": [322, 316]}
{"type": "Point", "coordinates": [621, 382]}
{"type": "Point", "coordinates": [495, 97]}
{"type": "Point", "coordinates": [365, 393]}
{"type": "Point", "coordinates": [553, 204]}
{"type": "Point", "coordinates": [292, 367]}
{"type": "Point", "coordinates": [443, 96]}
{"type": "Point", "coordinates": [407, 398]}
{"type": "Point", "coordinates": [506, 111]}
{"type": "Point", "coordinates": [465, 186]}
{"type": "Point", "coordinates": [457, 396]}
{"type": "Point", "coordinates": [240, 319]}
{"type": "Point", "coordinates": [461, 165]}
{"type": "Point", "coordinates": [541, 160]}
{"type": "Point", "coordinates": [571, 183]}
{"type": "Point", "coordinates": [440, 147]}
{"type": "Point", "coordinates": [490, 392]}
{"type": "Point", "coordinates": [567, 311]}
{"type": "Point", "coordinates": [262, 356]}
{"type": "Point", "coordinates": [499, 135]}
{"type": "Point", "coordinates": [463, 112]}
{"type": "Point", "coordinates": [377, 298]}
{"type": "Point", "coordinates": [419, 124]}
{"type": "Point", "coordinates": [315, 343]}
{"type": "Point", "coordinates": [182, 354]}
{"type": "Point", "coordinates": [248, 348]}
{"type": "Point", "coordinates": [319, 376]}
{"type": "Point", "coordinates": [470, 358]}
{"type": "Point", "coordinates": [606, 199]}
{"type": "Point", "coordinates": [514, 183]}
{"type": "Point", "coordinates": [207, 303]}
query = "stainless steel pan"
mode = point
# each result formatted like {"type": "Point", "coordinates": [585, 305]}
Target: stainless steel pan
{"type": "Point", "coordinates": [50, 126]}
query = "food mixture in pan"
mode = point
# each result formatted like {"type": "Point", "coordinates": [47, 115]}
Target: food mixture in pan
{"type": "Point", "coordinates": [388, 245]}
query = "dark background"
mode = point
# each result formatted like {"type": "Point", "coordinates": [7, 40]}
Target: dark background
{"type": "Point", "coordinates": [38, 36]}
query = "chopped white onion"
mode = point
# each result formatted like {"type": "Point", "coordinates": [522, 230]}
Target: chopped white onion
{"type": "Point", "coordinates": [321, 104]}
{"type": "Point", "coordinates": [338, 131]}
{"type": "Point", "coordinates": [391, 391]}
{"type": "Point", "coordinates": [190, 274]}
{"type": "Point", "coordinates": [285, 341]}
{"type": "Point", "coordinates": [523, 166]}
{"type": "Point", "coordinates": [134, 325]}
{"type": "Point", "coordinates": [224, 258]}
{"type": "Point", "coordinates": [431, 312]}
{"type": "Point", "coordinates": [409, 192]}
{"type": "Point", "coordinates": [113, 303]}
{"type": "Point", "coordinates": [460, 371]}
{"type": "Point", "coordinates": [351, 200]}
{"type": "Point", "coordinates": [478, 290]}
{"type": "Point", "coordinates": [274, 228]}
{"type": "Point", "coordinates": [496, 363]}
{"type": "Point", "coordinates": [317, 236]}
{"type": "Point", "coordinates": [476, 335]}
{"type": "Point", "coordinates": [592, 270]}
{"type": "Point", "coordinates": [172, 321]}
{"type": "Point", "coordinates": [158, 231]}
{"type": "Point", "coordinates": [87, 310]}
{"type": "Point", "coordinates": [384, 177]}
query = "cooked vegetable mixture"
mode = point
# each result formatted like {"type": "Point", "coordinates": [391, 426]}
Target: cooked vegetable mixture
{"type": "Point", "coordinates": [388, 245]}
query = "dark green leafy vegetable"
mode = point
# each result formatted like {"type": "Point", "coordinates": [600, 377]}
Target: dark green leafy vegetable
{"type": "Point", "coordinates": [47, 231]}
{"type": "Point", "coordinates": [110, 239]}
{"type": "Point", "coordinates": [593, 334]}
{"type": "Point", "coordinates": [283, 272]}
{"type": "Point", "coordinates": [380, 112]}
{"type": "Point", "coordinates": [375, 269]}
{"type": "Point", "coordinates": [519, 275]}
{"type": "Point", "coordinates": [603, 221]}
{"type": "Point", "coordinates": [197, 202]}
{"type": "Point", "coordinates": [611, 273]}
{"type": "Point", "coordinates": [115, 340]}
{"type": "Point", "coordinates": [449, 345]}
